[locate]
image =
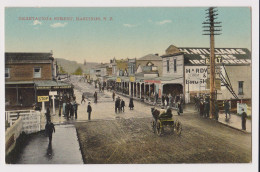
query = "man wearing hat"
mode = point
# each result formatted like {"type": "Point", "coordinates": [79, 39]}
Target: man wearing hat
{"type": "Point", "coordinates": [89, 110]}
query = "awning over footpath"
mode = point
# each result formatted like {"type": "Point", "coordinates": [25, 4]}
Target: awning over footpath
{"type": "Point", "coordinates": [49, 84]}
{"type": "Point", "coordinates": [18, 82]}
{"type": "Point", "coordinates": [164, 80]}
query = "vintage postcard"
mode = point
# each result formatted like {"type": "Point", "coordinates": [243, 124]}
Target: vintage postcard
{"type": "Point", "coordinates": [128, 85]}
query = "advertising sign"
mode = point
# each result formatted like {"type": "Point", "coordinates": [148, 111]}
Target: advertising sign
{"type": "Point", "coordinates": [43, 98]}
{"type": "Point", "coordinates": [132, 79]}
{"type": "Point", "coordinates": [241, 106]}
{"type": "Point", "coordinates": [118, 79]}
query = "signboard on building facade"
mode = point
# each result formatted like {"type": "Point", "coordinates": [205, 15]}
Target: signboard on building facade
{"type": "Point", "coordinates": [196, 76]}
{"type": "Point", "coordinates": [228, 56]}
{"type": "Point", "coordinates": [53, 93]}
{"type": "Point", "coordinates": [132, 79]}
{"type": "Point", "coordinates": [241, 106]}
{"type": "Point", "coordinates": [118, 79]}
{"type": "Point", "coordinates": [43, 98]}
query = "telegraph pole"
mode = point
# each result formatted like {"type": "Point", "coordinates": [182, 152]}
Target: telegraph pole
{"type": "Point", "coordinates": [210, 24]}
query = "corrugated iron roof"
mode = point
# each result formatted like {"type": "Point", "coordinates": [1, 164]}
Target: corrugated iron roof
{"type": "Point", "coordinates": [25, 56]}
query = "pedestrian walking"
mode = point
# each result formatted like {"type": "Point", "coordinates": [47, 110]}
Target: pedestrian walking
{"type": "Point", "coordinates": [122, 105]}
{"type": "Point", "coordinates": [131, 103]}
{"type": "Point", "coordinates": [67, 110]}
{"type": "Point", "coordinates": [226, 107]}
{"type": "Point", "coordinates": [83, 98]}
{"type": "Point", "coordinates": [163, 99]}
{"type": "Point", "coordinates": [243, 117]}
{"type": "Point", "coordinates": [170, 100]}
{"type": "Point", "coordinates": [75, 108]}
{"type": "Point", "coordinates": [113, 96]}
{"type": "Point", "coordinates": [89, 110]}
{"type": "Point", "coordinates": [156, 97]}
{"type": "Point", "coordinates": [49, 129]}
{"type": "Point", "coordinates": [95, 97]}
{"type": "Point", "coordinates": [206, 109]}
{"type": "Point", "coordinates": [117, 105]}
{"type": "Point", "coordinates": [180, 109]}
{"type": "Point", "coordinates": [71, 111]}
{"type": "Point", "coordinates": [201, 108]}
{"type": "Point", "coordinates": [167, 100]}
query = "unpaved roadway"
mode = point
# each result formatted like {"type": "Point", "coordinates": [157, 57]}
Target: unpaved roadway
{"type": "Point", "coordinates": [132, 141]}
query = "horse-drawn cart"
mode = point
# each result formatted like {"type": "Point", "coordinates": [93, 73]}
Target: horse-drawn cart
{"type": "Point", "coordinates": [163, 119]}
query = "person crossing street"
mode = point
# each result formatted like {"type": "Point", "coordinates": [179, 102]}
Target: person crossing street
{"type": "Point", "coordinates": [89, 110]}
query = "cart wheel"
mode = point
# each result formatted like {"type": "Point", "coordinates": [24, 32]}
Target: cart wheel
{"type": "Point", "coordinates": [178, 127]}
{"type": "Point", "coordinates": [158, 128]}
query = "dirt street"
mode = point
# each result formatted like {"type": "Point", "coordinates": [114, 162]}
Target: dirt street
{"type": "Point", "coordinates": [132, 141]}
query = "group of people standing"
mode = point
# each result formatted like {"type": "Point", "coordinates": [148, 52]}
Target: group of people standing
{"type": "Point", "coordinates": [202, 104]}
{"type": "Point", "coordinates": [120, 103]}
{"type": "Point", "coordinates": [70, 107]}
{"type": "Point", "coordinates": [171, 101]}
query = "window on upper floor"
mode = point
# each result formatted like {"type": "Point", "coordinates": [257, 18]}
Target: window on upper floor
{"type": "Point", "coordinates": [175, 65]}
{"type": "Point", "coordinates": [7, 72]}
{"type": "Point", "coordinates": [168, 65]}
{"type": "Point", "coordinates": [37, 72]}
{"type": "Point", "coordinates": [240, 87]}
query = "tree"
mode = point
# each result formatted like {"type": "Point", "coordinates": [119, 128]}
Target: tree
{"type": "Point", "coordinates": [78, 71]}
{"type": "Point", "coordinates": [61, 70]}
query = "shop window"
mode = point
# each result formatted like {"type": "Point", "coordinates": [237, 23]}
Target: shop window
{"type": "Point", "coordinates": [240, 87]}
{"type": "Point", "coordinates": [37, 72]}
{"type": "Point", "coordinates": [7, 72]}
{"type": "Point", "coordinates": [168, 65]}
{"type": "Point", "coordinates": [175, 65]}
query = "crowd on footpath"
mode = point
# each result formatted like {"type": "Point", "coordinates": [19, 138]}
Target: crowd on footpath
{"type": "Point", "coordinates": [202, 104]}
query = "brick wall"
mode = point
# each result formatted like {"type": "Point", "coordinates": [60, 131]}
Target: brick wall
{"type": "Point", "coordinates": [24, 72]}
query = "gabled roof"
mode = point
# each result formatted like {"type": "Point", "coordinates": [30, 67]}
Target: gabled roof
{"type": "Point", "coordinates": [25, 56]}
{"type": "Point", "coordinates": [172, 50]}
{"type": "Point", "coordinates": [150, 57]}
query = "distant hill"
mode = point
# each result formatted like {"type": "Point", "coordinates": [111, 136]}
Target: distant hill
{"type": "Point", "coordinates": [71, 66]}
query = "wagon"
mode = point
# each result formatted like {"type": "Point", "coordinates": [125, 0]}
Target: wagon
{"type": "Point", "coordinates": [162, 121]}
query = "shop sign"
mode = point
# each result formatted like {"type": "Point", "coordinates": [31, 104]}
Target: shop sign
{"type": "Point", "coordinates": [52, 93]}
{"type": "Point", "coordinates": [153, 81]}
{"type": "Point", "coordinates": [118, 79]}
{"type": "Point", "coordinates": [132, 79]}
{"type": "Point", "coordinates": [241, 106]}
{"type": "Point", "coordinates": [43, 88]}
{"type": "Point", "coordinates": [223, 55]}
{"type": "Point", "coordinates": [43, 98]}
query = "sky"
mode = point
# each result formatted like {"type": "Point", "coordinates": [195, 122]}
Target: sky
{"type": "Point", "coordinates": [120, 32]}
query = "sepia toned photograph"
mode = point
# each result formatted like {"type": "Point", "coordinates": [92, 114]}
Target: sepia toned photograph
{"type": "Point", "coordinates": [128, 85]}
